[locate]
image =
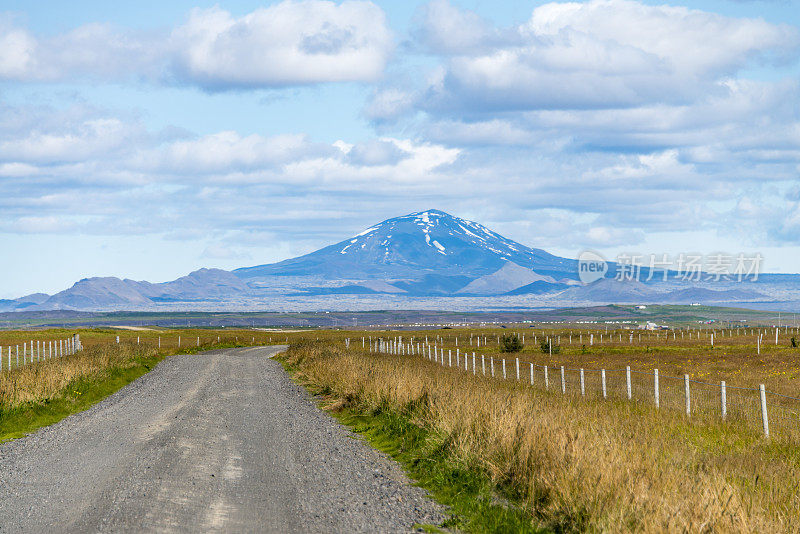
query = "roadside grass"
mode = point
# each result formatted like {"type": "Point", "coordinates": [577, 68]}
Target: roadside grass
{"type": "Point", "coordinates": [69, 395]}
{"type": "Point", "coordinates": [561, 464]}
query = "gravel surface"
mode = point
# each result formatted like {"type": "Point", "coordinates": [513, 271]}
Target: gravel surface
{"type": "Point", "coordinates": [220, 441]}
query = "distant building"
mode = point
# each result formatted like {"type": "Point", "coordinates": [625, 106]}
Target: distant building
{"type": "Point", "coordinates": [652, 326]}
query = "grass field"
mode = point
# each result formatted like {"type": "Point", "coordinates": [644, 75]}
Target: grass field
{"type": "Point", "coordinates": [504, 455]}
{"type": "Point", "coordinates": [570, 464]}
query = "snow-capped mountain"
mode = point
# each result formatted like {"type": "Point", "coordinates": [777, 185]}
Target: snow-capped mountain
{"type": "Point", "coordinates": [411, 247]}
{"type": "Point", "coordinates": [424, 254]}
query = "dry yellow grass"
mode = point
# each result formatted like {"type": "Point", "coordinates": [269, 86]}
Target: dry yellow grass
{"type": "Point", "coordinates": [581, 465]}
{"type": "Point", "coordinates": [46, 380]}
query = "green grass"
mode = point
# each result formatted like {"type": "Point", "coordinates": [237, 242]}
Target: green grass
{"type": "Point", "coordinates": [78, 396]}
{"type": "Point", "coordinates": [474, 503]}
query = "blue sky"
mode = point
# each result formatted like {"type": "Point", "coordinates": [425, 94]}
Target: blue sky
{"type": "Point", "coordinates": [147, 140]}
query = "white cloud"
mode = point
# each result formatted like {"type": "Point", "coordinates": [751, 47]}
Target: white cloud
{"type": "Point", "coordinates": [598, 54]}
{"type": "Point", "coordinates": [284, 44]}
{"type": "Point", "coordinates": [487, 132]}
{"type": "Point", "coordinates": [17, 49]}
{"type": "Point", "coordinates": [98, 51]}
{"type": "Point", "coordinates": [445, 28]}
{"type": "Point", "coordinates": [228, 150]}
{"type": "Point", "coordinates": [288, 43]}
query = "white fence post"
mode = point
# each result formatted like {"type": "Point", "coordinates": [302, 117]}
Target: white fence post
{"type": "Point", "coordinates": [628, 380]}
{"type": "Point", "coordinates": [483, 364]}
{"type": "Point", "coordinates": [764, 419]}
{"type": "Point", "coordinates": [603, 380]}
{"type": "Point", "coordinates": [687, 394]}
{"type": "Point", "coordinates": [531, 374]}
{"type": "Point", "coordinates": [563, 382]}
{"type": "Point", "coordinates": [723, 399]}
{"type": "Point", "coordinates": [474, 372]}
{"type": "Point", "coordinates": [583, 387]}
{"type": "Point", "coordinates": [504, 368]}
{"type": "Point", "coordinates": [517, 369]}
{"type": "Point", "coordinates": [655, 388]}
{"type": "Point", "coordinates": [546, 378]}
{"type": "Point", "coordinates": [491, 362]}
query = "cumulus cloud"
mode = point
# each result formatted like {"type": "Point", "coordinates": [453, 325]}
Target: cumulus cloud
{"type": "Point", "coordinates": [285, 44]}
{"type": "Point", "coordinates": [375, 152]}
{"type": "Point", "coordinates": [593, 55]}
{"type": "Point", "coordinates": [99, 51]}
{"type": "Point", "coordinates": [289, 43]}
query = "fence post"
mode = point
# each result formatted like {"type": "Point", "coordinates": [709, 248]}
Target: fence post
{"type": "Point", "coordinates": [473, 364]}
{"type": "Point", "coordinates": [688, 396]}
{"type": "Point", "coordinates": [483, 364]}
{"type": "Point", "coordinates": [563, 383]}
{"type": "Point", "coordinates": [764, 419]}
{"type": "Point", "coordinates": [723, 399]}
{"type": "Point", "coordinates": [517, 369]}
{"type": "Point", "coordinates": [449, 358]}
{"type": "Point", "coordinates": [491, 362]}
{"type": "Point", "coordinates": [603, 380]}
{"type": "Point", "coordinates": [655, 387]}
{"type": "Point", "coordinates": [546, 378]}
{"type": "Point", "coordinates": [628, 380]}
{"type": "Point", "coordinates": [198, 341]}
{"type": "Point", "coordinates": [531, 374]}
{"type": "Point", "coordinates": [504, 368]}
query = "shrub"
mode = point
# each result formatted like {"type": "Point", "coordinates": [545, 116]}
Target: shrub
{"type": "Point", "coordinates": [510, 343]}
{"type": "Point", "coordinates": [548, 347]}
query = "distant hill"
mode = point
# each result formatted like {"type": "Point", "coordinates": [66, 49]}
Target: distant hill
{"type": "Point", "coordinates": [703, 295]}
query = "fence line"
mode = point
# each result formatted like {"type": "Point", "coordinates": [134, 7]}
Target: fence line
{"type": "Point", "coordinates": [38, 351]}
{"type": "Point", "coordinates": [772, 413]}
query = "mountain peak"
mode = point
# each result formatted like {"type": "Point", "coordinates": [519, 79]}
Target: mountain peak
{"type": "Point", "coordinates": [410, 246]}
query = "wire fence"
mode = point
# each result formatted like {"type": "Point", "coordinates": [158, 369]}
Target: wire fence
{"type": "Point", "coordinates": [766, 411]}
{"type": "Point", "coordinates": [17, 356]}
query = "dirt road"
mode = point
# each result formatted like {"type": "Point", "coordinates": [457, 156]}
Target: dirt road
{"type": "Point", "coordinates": [221, 441]}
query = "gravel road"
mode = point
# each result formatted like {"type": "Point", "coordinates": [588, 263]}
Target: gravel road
{"type": "Point", "coordinates": [220, 441]}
